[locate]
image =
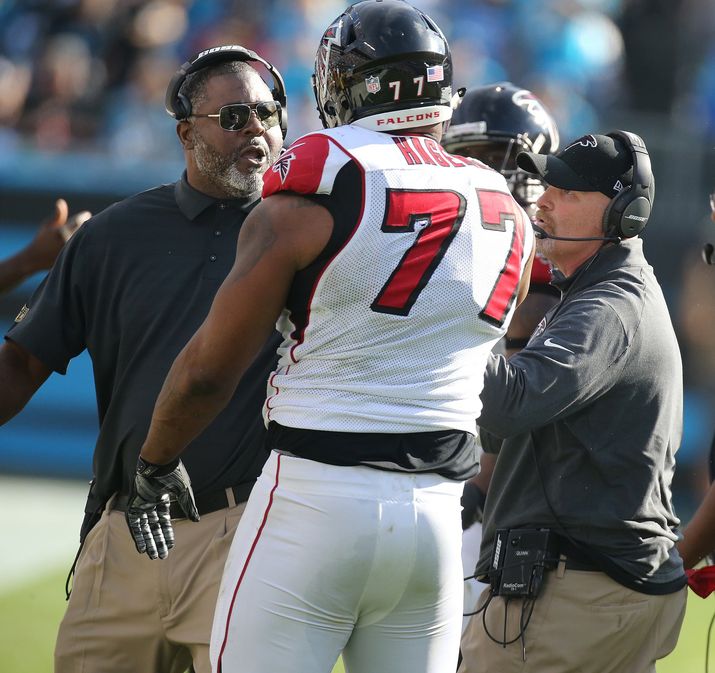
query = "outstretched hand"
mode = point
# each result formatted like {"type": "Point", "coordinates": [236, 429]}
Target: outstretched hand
{"type": "Point", "coordinates": [148, 509]}
{"type": "Point", "coordinates": [53, 233]}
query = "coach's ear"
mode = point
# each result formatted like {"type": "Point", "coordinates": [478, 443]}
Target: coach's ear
{"type": "Point", "coordinates": [185, 131]}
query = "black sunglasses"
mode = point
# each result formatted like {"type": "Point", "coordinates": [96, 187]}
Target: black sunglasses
{"type": "Point", "coordinates": [234, 116]}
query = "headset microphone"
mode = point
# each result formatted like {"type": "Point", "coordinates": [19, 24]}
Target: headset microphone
{"type": "Point", "coordinates": [540, 233]}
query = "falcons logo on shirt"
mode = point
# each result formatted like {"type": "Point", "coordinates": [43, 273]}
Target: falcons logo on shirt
{"type": "Point", "coordinates": [303, 167]}
{"type": "Point", "coordinates": [282, 165]}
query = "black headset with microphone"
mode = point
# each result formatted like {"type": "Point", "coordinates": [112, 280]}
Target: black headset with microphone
{"type": "Point", "coordinates": [179, 106]}
{"type": "Point", "coordinates": [628, 212]}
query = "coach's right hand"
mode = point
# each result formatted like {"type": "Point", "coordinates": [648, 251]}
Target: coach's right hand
{"type": "Point", "coordinates": [148, 509]}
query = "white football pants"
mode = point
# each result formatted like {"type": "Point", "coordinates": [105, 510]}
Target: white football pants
{"type": "Point", "coordinates": [330, 559]}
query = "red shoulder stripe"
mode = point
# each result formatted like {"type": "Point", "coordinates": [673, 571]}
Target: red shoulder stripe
{"type": "Point", "coordinates": [299, 168]}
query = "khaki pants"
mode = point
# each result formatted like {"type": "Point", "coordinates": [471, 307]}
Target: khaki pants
{"type": "Point", "coordinates": [583, 622]}
{"type": "Point", "coordinates": [129, 614]}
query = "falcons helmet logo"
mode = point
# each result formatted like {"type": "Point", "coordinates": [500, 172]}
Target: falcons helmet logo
{"type": "Point", "coordinates": [528, 102]}
{"type": "Point", "coordinates": [331, 38]}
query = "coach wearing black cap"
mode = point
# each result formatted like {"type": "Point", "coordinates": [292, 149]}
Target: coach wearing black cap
{"type": "Point", "coordinates": [579, 530]}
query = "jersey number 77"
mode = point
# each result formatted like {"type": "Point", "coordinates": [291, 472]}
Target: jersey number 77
{"type": "Point", "coordinates": [438, 215]}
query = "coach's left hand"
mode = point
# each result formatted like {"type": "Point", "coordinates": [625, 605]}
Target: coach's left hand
{"type": "Point", "coordinates": [148, 508]}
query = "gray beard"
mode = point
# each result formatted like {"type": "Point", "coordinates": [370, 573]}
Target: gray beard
{"type": "Point", "coordinates": [223, 171]}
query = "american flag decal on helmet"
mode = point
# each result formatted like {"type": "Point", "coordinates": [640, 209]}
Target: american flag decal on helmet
{"type": "Point", "coordinates": [435, 73]}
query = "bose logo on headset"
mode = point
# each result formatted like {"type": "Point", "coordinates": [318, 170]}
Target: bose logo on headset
{"type": "Point", "coordinates": [179, 106]}
{"type": "Point", "coordinates": [214, 50]}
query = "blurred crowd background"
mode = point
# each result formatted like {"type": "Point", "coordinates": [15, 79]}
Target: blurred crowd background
{"type": "Point", "coordinates": [82, 86]}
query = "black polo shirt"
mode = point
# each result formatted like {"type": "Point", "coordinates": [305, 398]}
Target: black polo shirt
{"type": "Point", "coordinates": [132, 286]}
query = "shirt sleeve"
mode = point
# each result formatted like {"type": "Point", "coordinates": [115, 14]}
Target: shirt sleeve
{"type": "Point", "coordinates": [574, 360]}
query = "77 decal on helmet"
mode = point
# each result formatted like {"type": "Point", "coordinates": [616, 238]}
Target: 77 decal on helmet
{"type": "Point", "coordinates": [419, 81]}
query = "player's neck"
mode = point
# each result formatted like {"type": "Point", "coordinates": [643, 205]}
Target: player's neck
{"type": "Point", "coordinates": [432, 131]}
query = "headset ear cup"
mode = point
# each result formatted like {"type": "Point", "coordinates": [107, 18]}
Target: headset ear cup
{"type": "Point", "coordinates": [182, 107]}
{"type": "Point", "coordinates": [635, 217]}
{"type": "Point", "coordinates": [283, 117]}
{"type": "Point", "coordinates": [610, 224]}
{"type": "Point", "coordinates": [626, 216]}
{"type": "Point", "coordinates": [284, 121]}
{"type": "Point", "coordinates": [628, 212]}
{"type": "Point", "coordinates": [613, 215]}
{"type": "Point", "coordinates": [171, 99]}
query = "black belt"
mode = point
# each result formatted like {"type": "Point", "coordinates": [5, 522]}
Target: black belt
{"type": "Point", "coordinates": [573, 564]}
{"type": "Point", "coordinates": [576, 558]}
{"type": "Point", "coordinates": [205, 503]}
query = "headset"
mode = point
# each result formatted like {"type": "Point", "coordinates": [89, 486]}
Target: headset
{"type": "Point", "coordinates": [628, 212]}
{"type": "Point", "coordinates": [179, 106]}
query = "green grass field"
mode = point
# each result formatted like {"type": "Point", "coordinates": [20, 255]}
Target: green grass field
{"type": "Point", "coordinates": [30, 613]}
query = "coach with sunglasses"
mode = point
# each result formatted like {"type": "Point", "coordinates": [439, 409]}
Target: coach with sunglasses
{"type": "Point", "coordinates": [131, 287]}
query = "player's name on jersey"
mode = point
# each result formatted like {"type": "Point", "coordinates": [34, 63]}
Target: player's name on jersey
{"type": "Point", "coordinates": [424, 150]}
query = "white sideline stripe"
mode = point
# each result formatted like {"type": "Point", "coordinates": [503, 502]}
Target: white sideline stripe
{"type": "Point", "coordinates": [39, 527]}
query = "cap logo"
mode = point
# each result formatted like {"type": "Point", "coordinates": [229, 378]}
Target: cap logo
{"type": "Point", "coordinates": [372, 84]}
{"type": "Point", "coordinates": [585, 141]}
{"type": "Point", "coordinates": [618, 186]}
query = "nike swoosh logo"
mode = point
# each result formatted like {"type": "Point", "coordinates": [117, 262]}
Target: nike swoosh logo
{"type": "Point", "coordinates": [549, 342]}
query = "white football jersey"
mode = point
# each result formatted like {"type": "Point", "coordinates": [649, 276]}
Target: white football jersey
{"type": "Point", "coordinates": [390, 329]}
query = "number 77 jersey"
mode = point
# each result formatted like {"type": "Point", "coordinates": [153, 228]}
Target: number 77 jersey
{"type": "Point", "coordinates": [389, 330]}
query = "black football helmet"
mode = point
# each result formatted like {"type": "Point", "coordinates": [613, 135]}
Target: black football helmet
{"type": "Point", "coordinates": [496, 122]}
{"type": "Point", "coordinates": [384, 65]}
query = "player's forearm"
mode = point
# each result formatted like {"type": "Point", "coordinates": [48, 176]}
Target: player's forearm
{"type": "Point", "coordinates": [188, 402]}
{"type": "Point", "coordinates": [699, 535]}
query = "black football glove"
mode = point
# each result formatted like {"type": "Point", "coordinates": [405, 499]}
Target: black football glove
{"type": "Point", "coordinates": [148, 508]}
{"type": "Point", "coordinates": [473, 499]}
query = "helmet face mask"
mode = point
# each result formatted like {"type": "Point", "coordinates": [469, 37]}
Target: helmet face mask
{"type": "Point", "coordinates": [385, 66]}
{"type": "Point", "coordinates": [496, 122]}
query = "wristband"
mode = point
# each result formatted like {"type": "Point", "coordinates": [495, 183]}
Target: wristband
{"type": "Point", "coordinates": [147, 469]}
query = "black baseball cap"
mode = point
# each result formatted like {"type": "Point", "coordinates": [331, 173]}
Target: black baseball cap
{"type": "Point", "coordinates": [593, 163]}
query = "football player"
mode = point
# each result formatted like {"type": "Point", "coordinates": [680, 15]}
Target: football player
{"type": "Point", "coordinates": [393, 268]}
